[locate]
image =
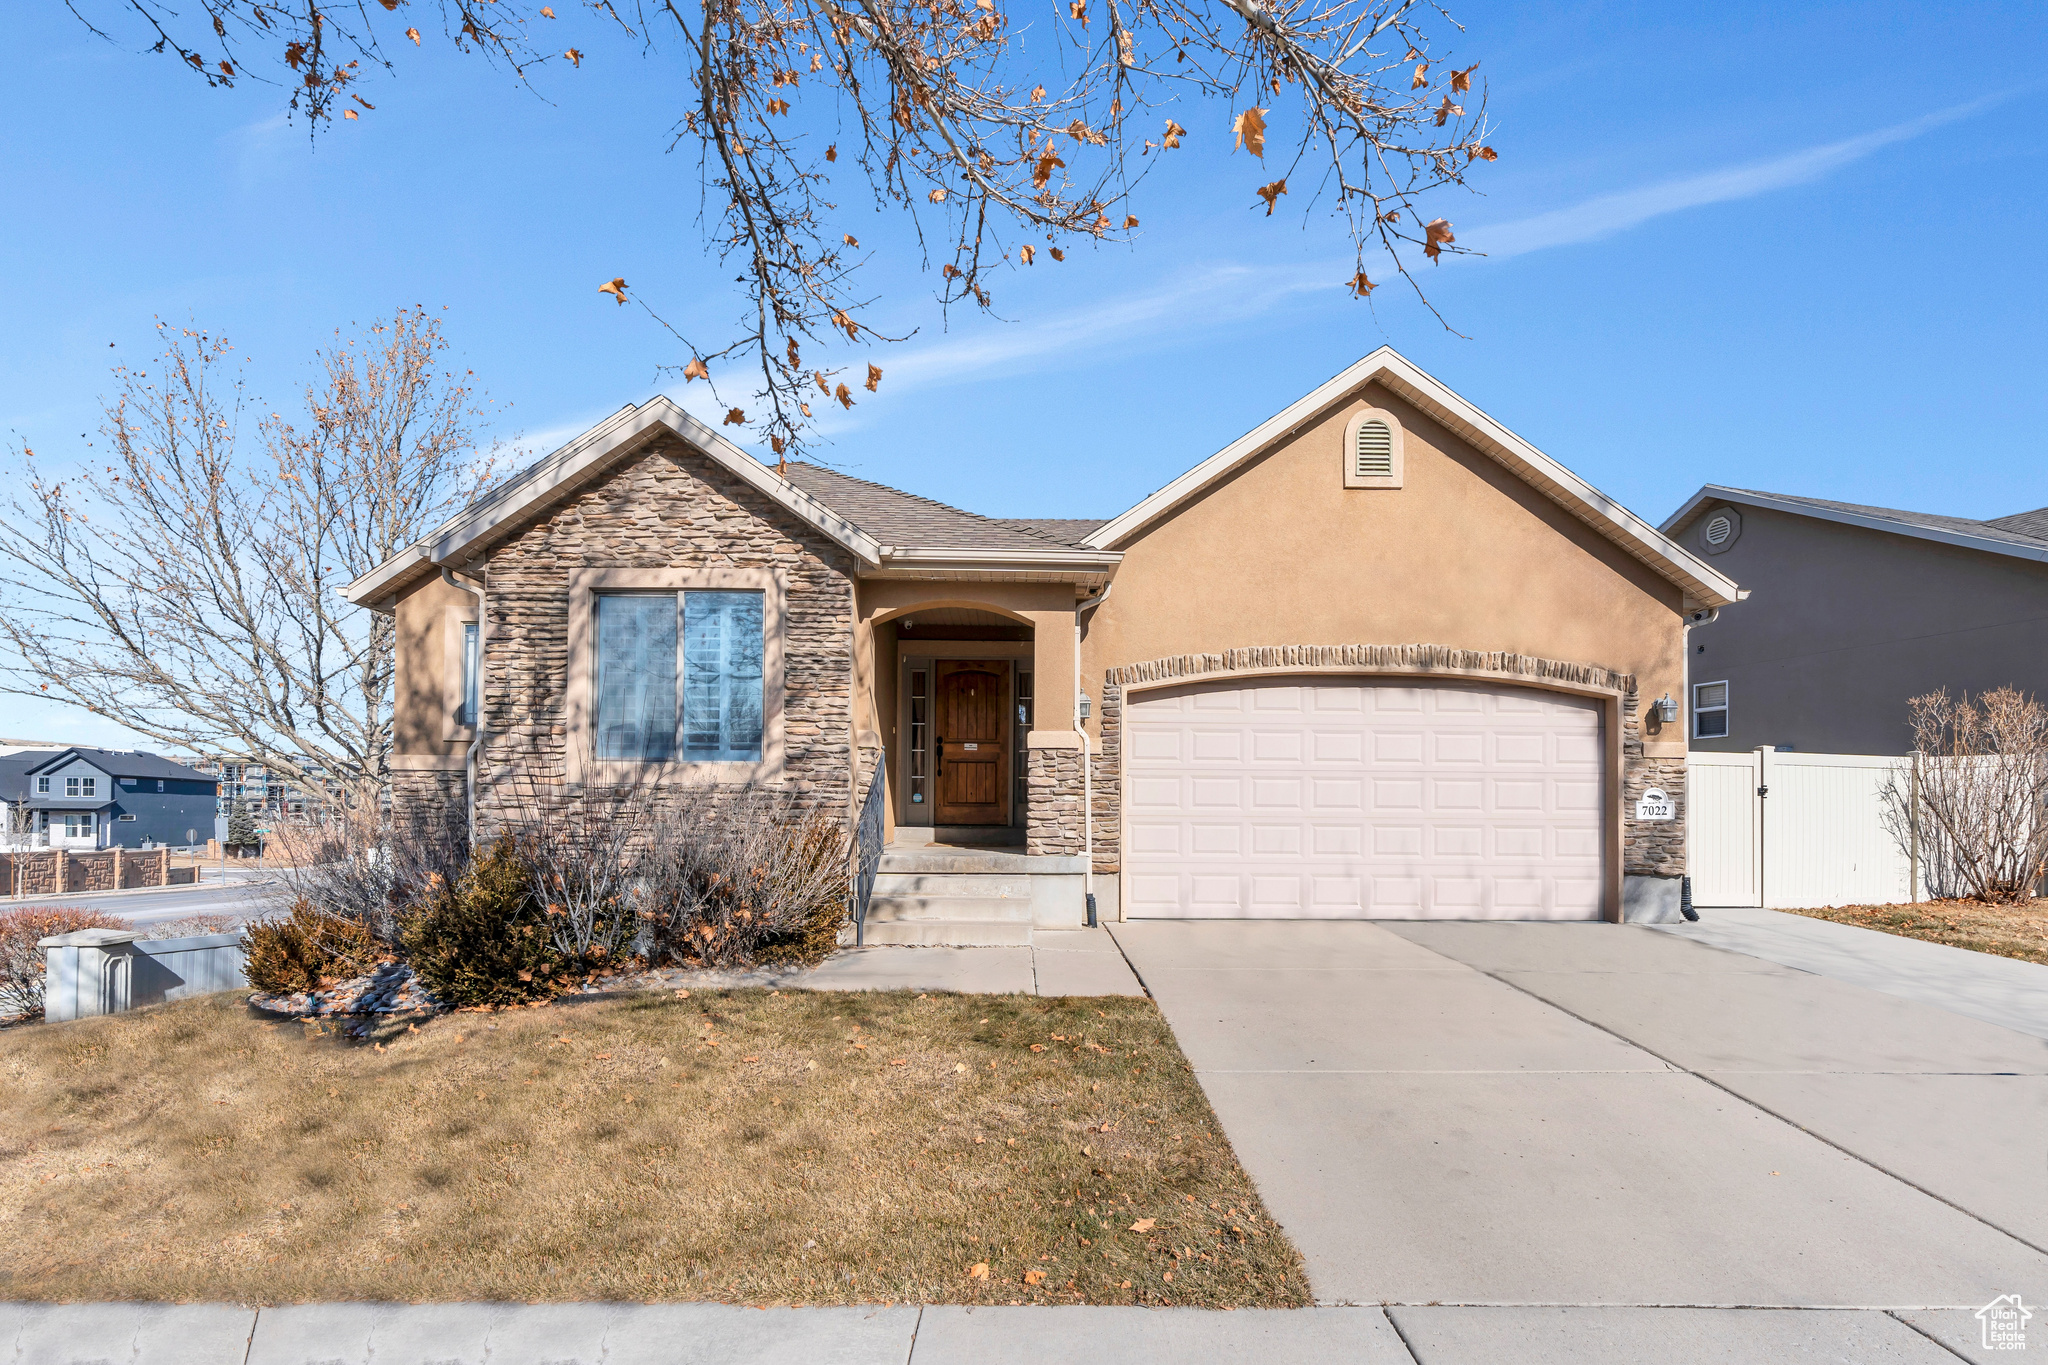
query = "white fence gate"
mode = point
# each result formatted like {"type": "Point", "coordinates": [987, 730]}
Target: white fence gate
{"type": "Point", "coordinates": [1769, 828]}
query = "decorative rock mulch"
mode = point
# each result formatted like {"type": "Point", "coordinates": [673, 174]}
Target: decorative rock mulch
{"type": "Point", "coordinates": [391, 989]}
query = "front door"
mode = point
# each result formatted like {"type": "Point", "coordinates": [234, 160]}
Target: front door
{"type": "Point", "coordinates": [972, 752]}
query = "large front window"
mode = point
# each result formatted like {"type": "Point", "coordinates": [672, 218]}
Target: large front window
{"type": "Point", "coordinates": [719, 665]}
{"type": "Point", "coordinates": [78, 825]}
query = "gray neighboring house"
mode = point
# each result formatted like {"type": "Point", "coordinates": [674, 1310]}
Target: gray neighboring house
{"type": "Point", "coordinates": [1853, 610]}
{"type": "Point", "coordinates": [79, 798]}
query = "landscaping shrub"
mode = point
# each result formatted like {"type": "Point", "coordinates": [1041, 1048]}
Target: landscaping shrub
{"type": "Point", "coordinates": [372, 871]}
{"type": "Point", "coordinates": [304, 948]}
{"type": "Point", "coordinates": [483, 939]}
{"type": "Point", "coordinates": [739, 878]}
{"type": "Point", "coordinates": [21, 962]}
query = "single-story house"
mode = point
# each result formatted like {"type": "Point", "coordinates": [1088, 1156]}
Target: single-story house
{"type": "Point", "coordinates": [1379, 657]}
{"type": "Point", "coordinates": [84, 798]}
{"type": "Point", "coordinates": [1857, 610]}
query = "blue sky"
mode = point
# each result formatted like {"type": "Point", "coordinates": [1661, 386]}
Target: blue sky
{"type": "Point", "coordinates": [1795, 248]}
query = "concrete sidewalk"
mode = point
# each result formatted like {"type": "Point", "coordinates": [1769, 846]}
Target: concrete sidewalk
{"type": "Point", "coordinates": [718, 1334]}
{"type": "Point", "coordinates": [1058, 962]}
{"type": "Point", "coordinates": [1998, 990]}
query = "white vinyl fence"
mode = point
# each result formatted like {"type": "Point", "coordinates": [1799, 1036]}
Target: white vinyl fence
{"type": "Point", "coordinates": [1775, 829]}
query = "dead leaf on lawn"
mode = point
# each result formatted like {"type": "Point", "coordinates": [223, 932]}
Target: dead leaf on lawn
{"type": "Point", "coordinates": [1144, 1225]}
{"type": "Point", "coordinates": [978, 1271]}
{"type": "Point", "coordinates": [1034, 1277]}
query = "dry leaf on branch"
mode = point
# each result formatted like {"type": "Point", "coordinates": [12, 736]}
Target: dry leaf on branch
{"type": "Point", "coordinates": [348, 113]}
{"type": "Point", "coordinates": [413, 34]}
{"type": "Point", "coordinates": [1446, 110]}
{"type": "Point", "coordinates": [616, 288]}
{"type": "Point", "coordinates": [849, 239]}
{"type": "Point", "coordinates": [575, 57]}
{"type": "Point", "coordinates": [1026, 252]}
{"type": "Point", "coordinates": [874, 377]}
{"type": "Point", "coordinates": [547, 12]}
{"type": "Point", "coordinates": [735, 418]}
{"type": "Point", "coordinates": [1130, 220]}
{"type": "Point", "coordinates": [1271, 194]}
{"type": "Point", "coordinates": [1361, 286]}
{"type": "Point", "coordinates": [1250, 127]}
{"type": "Point", "coordinates": [696, 369]}
{"type": "Point", "coordinates": [1057, 254]}
{"type": "Point", "coordinates": [1421, 76]}
{"type": "Point", "coordinates": [1174, 133]}
{"type": "Point", "coordinates": [845, 397]}
{"type": "Point", "coordinates": [1436, 232]}
{"type": "Point", "coordinates": [1462, 80]}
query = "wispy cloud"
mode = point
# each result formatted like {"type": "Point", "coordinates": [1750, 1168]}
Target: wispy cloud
{"type": "Point", "coordinates": [1195, 301]}
{"type": "Point", "coordinates": [1606, 214]}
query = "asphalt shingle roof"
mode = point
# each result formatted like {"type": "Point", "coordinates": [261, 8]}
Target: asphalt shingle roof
{"type": "Point", "coordinates": [117, 763]}
{"type": "Point", "coordinates": [894, 517]}
{"type": "Point", "coordinates": [2024, 528]}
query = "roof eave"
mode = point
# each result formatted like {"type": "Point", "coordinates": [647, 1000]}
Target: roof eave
{"type": "Point", "coordinates": [1717, 493]}
{"type": "Point", "coordinates": [1700, 582]}
{"type": "Point", "coordinates": [574, 463]}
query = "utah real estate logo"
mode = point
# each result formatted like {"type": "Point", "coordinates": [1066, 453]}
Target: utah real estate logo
{"type": "Point", "coordinates": [2005, 1323]}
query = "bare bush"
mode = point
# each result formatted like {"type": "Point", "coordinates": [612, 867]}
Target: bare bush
{"type": "Point", "coordinates": [583, 854]}
{"type": "Point", "coordinates": [746, 876]}
{"type": "Point", "coordinates": [1980, 821]}
{"type": "Point", "coordinates": [371, 870]}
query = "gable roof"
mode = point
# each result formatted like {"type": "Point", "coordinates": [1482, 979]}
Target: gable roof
{"type": "Point", "coordinates": [1702, 584]}
{"type": "Point", "coordinates": [881, 527]}
{"type": "Point", "coordinates": [2006, 536]}
{"type": "Point", "coordinates": [118, 763]}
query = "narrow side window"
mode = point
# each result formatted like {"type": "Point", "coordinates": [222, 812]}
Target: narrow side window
{"type": "Point", "coordinates": [1710, 710]}
{"type": "Point", "coordinates": [470, 663]}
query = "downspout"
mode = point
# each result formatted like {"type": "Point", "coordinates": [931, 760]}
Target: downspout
{"type": "Point", "coordinates": [476, 738]}
{"type": "Point", "coordinates": [1692, 618]}
{"type": "Point", "coordinates": [1087, 761]}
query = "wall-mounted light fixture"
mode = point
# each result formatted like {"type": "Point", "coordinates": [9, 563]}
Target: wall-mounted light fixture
{"type": "Point", "coordinates": [1667, 709]}
{"type": "Point", "coordinates": [1085, 708]}
{"type": "Point", "coordinates": [908, 622]}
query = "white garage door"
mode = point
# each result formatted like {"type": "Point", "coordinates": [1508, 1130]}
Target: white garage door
{"type": "Point", "coordinates": [1342, 800]}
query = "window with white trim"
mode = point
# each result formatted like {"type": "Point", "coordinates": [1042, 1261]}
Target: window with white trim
{"type": "Point", "coordinates": [470, 663]}
{"type": "Point", "coordinates": [71, 786]}
{"type": "Point", "coordinates": [42, 786]}
{"type": "Point", "coordinates": [78, 824]}
{"type": "Point", "coordinates": [679, 675]}
{"type": "Point", "coordinates": [1710, 710]}
{"type": "Point", "coordinates": [92, 786]}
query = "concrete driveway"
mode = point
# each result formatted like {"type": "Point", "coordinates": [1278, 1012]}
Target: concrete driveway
{"type": "Point", "coordinates": [1593, 1114]}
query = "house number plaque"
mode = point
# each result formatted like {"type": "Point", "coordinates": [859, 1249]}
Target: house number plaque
{"type": "Point", "coordinates": [1653, 804]}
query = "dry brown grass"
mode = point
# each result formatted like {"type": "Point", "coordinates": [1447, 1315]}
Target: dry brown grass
{"type": "Point", "coordinates": [2019, 931]}
{"type": "Point", "coordinates": [739, 1145]}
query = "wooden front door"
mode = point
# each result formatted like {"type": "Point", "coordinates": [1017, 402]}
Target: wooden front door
{"type": "Point", "coordinates": [973, 748]}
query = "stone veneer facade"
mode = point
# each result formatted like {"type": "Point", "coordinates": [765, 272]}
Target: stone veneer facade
{"type": "Point", "coordinates": [431, 799]}
{"type": "Point", "coordinates": [1650, 849]}
{"type": "Point", "coordinates": [1052, 803]}
{"type": "Point", "coordinates": [665, 507]}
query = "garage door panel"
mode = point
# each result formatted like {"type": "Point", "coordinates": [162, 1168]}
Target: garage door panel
{"type": "Point", "coordinates": [1346, 800]}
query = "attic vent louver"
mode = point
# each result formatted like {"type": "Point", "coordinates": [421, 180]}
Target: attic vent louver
{"type": "Point", "coordinates": [1374, 457]}
{"type": "Point", "coordinates": [1719, 529]}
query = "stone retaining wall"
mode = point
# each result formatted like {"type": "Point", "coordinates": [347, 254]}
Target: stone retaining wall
{"type": "Point", "coordinates": [57, 871]}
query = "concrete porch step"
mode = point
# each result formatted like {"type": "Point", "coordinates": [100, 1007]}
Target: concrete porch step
{"type": "Point", "coordinates": [980, 885]}
{"type": "Point", "coordinates": [898, 858]}
{"type": "Point", "coordinates": [991, 909]}
{"type": "Point", "coordinates": [949, 933]}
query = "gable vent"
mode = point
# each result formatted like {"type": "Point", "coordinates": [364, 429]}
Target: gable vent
{"type": "Point", "coordinates": [1374, 458]}
{"type": "Point", "coordinates": [1719, 529]}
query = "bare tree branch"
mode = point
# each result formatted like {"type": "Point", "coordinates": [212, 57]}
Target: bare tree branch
{"type": "Point", "coordinates": [190, 589]}
{"type": "Point", "coordinates": [989, 123]}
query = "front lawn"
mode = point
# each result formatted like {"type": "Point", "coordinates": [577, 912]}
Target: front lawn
{"type": "Point", "coordinates": [744, 1145]}
{"type": "Point", "coordinates": [2019, 931]}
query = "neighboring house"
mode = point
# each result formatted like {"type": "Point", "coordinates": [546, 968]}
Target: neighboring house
{"type": "Point", "coordinates": [80, 798]}
{"type": "Point", "coordinates": [1379, 657]}
{"type": "Point", "coordinates": [1856, 610]}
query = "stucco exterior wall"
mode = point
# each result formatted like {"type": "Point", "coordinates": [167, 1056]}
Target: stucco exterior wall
{"type": "Point", "coordinates": [423, 722]}
{"type": "Point", "coordinates": [1843, 625]}
{"type": "Point", "coordinates": [1463, 555]}
{"type": "Point", "coordinates": [665, 508]}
